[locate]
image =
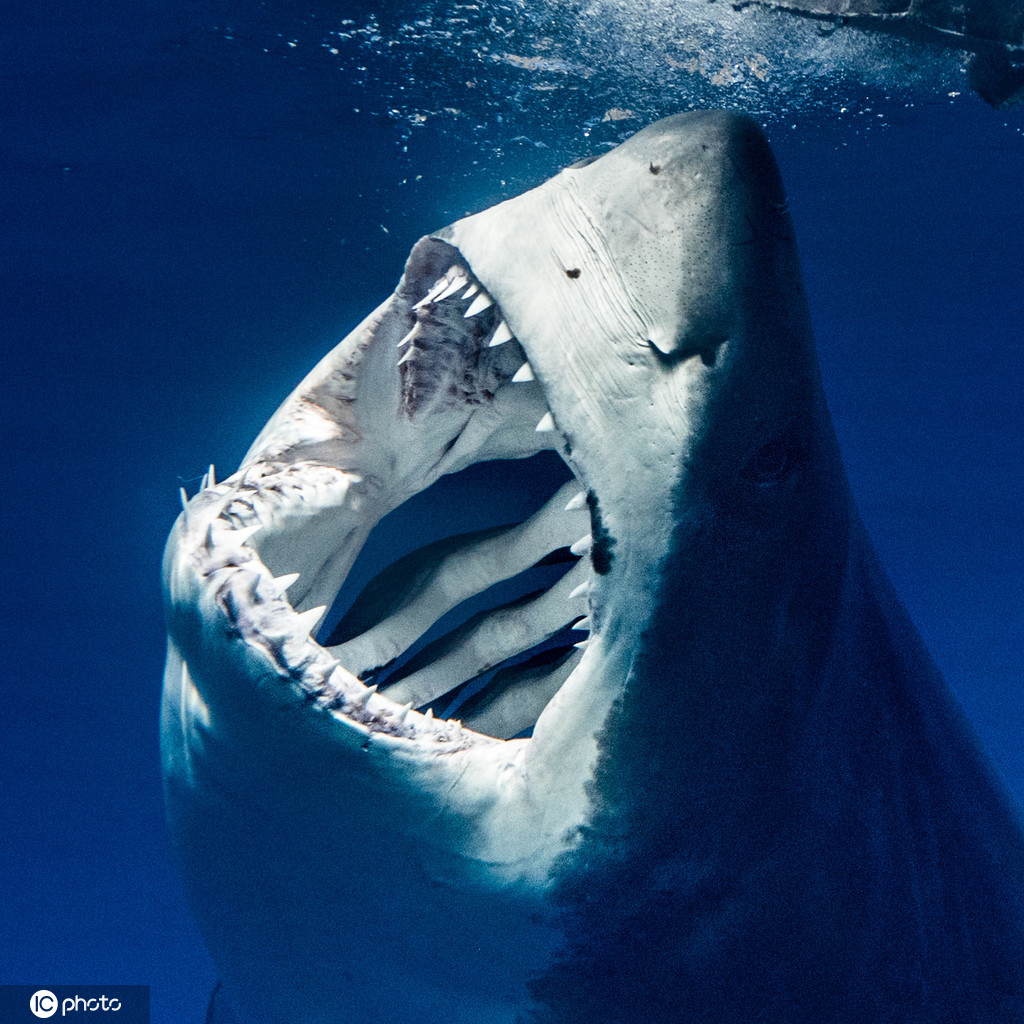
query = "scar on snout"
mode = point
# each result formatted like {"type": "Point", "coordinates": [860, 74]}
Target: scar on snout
{"type": "Point", "coordinates": [574, 273]}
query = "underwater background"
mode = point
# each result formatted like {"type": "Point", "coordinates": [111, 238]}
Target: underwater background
{"type": "Point", "coordinates": [200, 198]}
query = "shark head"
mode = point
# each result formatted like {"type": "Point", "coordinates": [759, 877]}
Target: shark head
{"type": "Point", "coordinates": [343, 835]}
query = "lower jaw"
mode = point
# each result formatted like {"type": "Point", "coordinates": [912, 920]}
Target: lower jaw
{"type": "Point", "coordinates": [256, 532]}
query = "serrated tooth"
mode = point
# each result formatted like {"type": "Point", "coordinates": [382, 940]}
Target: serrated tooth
{"type": "Point", "coordinates": [502, 333]}
{"type": "Point", "coordinates": [211, 477]}
{"type": "Point", "coordinates": [460, 281]}
{"type": "Point", "coordinates": [583, 590]}
{"type": "Point", "coordinates": [284, 582]}
{"type": "Point", "coordinates": [359, 701]}
{"type": "Point", "coordinates": [309, 620]}
{"type": "Point", "coordinates": [523, 374]}
{"type": "Point", "coordinates": [582, 546]}
{"type": "Point", "coordinates": [409, 354]}
{"type": "Point", "coordinates": [577, 502]}
{"type": "Point", "coordinates": [431, 296]}
{"type": "Point", "coordinates": [471, 290]}
{"type": "Point", "coordinates": [242, 535]}
{"type": "Point", "coordinates": [547, 423]}
{"type": "Point", "coordinates": [479, 304]}
{"type": "Point", "coordinates": [583, 624]}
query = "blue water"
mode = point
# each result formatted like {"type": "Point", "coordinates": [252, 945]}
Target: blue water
{"type": "Point", "coordinates": [199, 199]}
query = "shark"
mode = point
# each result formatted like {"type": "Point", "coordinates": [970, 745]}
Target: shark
{"type": "Point", "coordinates": [697, 767]}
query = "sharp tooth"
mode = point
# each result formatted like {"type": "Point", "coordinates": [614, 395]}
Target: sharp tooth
{"type": "Point", "coordinates": [284, 582]}
{"type": "Point", "coordinates": [460, 281]}
{"type": "Point", "coordinates": [429, 713]}
{"type": "Point", "coordinates": [502, 333]}
{"type": "Point", "coordinates": [211, 477]}
{"type": "Point", "coordinates": [583, 590]}
{"type": "Point", "coordinates": [578, 502]}
{"type": "Point", "coordinates": [202, 483]}
{"type": "Point", "coordinates": [308, 621]}
{"type": "Point", "coordinates": [183, 494]}
{"type": "Point", "coordinates": [546, 424]}
{"type": "Point", "coordinates": [242, 535]}
{"type": "Point", "coordinates": [409, 354]}
{"type": "Point", "coordinates": [359, 701]}
{"type": "Point", "coordinates": [582, 546]}
{"type": "Point", "coordinates": [407, 338]}
{"type": "Point", "coordinates": [439, 286]}
{"type": "Point", "coordinates": [582, 645]}
{"type": "Point", "coordinates": [479, 304]}
{"type": "Point", "coordinates": [583, 624]}
{"type": "Point", "coordinates": [471, 290]}
{"type": "Point", "coordinates": [523, 374]}
{"type": "Point", "coordinates": [403, 713]}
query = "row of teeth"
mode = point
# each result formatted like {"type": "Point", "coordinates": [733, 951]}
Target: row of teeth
{"type": "Point", "coordinates": [447, 287]}
{"type": "Point", "coordinates": [255, 604]}
{"type": "Point", "coordinates": [287, 633]}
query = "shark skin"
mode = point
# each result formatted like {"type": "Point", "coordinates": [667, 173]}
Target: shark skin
{"type": "Point", "coordinates": [746, 795]}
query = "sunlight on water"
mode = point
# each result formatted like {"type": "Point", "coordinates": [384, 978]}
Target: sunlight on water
{"type": "Point", "coordinates": [610, 66]}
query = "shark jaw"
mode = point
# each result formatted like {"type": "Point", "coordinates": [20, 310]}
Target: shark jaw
{"type": "Point", "coordinates": [433, 381]}
{"type": "Point", "coordinates": [275, 541]}
{"type": "Point", "coordinates": [649, 334]}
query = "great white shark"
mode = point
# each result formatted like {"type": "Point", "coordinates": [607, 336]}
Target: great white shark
{"type": "Point", "coordinates": [716, 777]}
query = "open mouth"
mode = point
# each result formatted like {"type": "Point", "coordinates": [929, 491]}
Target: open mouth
{"type": "Point", "coordinates": [478, 629]}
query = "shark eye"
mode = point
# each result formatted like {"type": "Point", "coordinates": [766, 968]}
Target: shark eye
{"type": "Point", "coordinates": [774, 461]}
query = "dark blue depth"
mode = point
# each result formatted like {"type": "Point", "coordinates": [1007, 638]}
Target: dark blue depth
{"type": "Point", "coordinates": [185, 228]}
